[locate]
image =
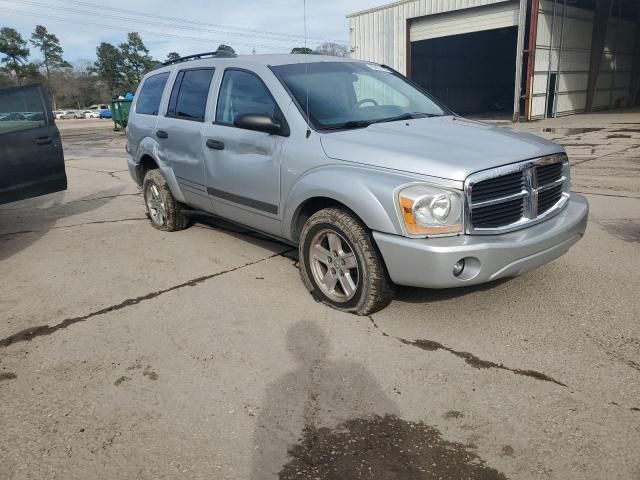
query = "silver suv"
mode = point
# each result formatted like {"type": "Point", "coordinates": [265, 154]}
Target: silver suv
{"type": "Point", "coordinates": [375, 181]}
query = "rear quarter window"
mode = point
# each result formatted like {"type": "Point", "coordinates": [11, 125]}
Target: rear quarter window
{"type": "Point", "coordinates": [151, 94]}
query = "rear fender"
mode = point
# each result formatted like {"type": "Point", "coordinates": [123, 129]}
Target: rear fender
{"type": "Point", "coordinates": [149, 147]}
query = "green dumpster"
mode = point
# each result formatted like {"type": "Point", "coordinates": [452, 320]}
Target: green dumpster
{"type": "Point", "coordinates": [120, 112]}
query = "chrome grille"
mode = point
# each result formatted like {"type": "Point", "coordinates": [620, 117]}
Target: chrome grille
{"type": "Point", "coordinates": [510, 197]}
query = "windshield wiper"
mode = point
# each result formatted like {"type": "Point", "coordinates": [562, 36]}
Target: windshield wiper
{"type": "Point", "coordinates": [349, 125]}
{"type": "Point", "coordinates": [406, 116]}
{"type": "Point", "coordinates": [365, 123]}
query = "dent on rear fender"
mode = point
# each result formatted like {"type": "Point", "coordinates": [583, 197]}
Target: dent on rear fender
{"type": "Point", "coordinates": [369, 194]}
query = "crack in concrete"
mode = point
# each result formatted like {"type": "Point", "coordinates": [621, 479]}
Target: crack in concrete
{"type": "Point", "coordinates": [112, 174]}
{"type": "Point", "coordinates": [97, 222]}
{"type": "Point", "coordinates": [606, 195]}
{"type": "Point", "coordinates": [29, 334]}
{"type": "Point", "coordinates": [469, 358]}
{"type": "Point", "coordinates": [477, 362]}
{"type": "Point", "coordinates": [61, 205]}
{"type": "Point", "coordinates": [575, 163]}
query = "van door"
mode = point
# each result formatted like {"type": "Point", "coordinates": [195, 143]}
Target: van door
{"type": "Point", "coordinates": [243, 166]}
{"type": "Point", "coordinates": [179, 134]}
{"type": "Point", "coordinates": [31, 158]}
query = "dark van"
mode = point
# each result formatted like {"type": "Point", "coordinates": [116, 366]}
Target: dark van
{"type": "Point", "coordinates": [31, 158]}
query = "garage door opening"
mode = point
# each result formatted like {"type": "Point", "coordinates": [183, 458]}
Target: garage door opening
{"type": "Point", "coordinates": [471, 73]}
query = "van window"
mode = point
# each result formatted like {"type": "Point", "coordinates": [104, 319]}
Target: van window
{"type": "Point", "coordinates": [243, 92]}
{"type": "Point", "coordinates": [189, 94]}
{"type": "Point", "coordinates": [21, 109]}
{"type": "Point", "coordinates": [150, 95]}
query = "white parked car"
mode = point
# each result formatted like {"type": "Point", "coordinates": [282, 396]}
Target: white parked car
{"type": "Point", "coordinates": [72, 114]}
{"type": "Point", "coordinates": [91, 114]}
{"type": "Point", "coordinates": [99, 107]}
{"type": "Point", "coordinates": [58, 113]}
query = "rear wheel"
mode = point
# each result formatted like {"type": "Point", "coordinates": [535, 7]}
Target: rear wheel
{"type": "Point", "coordinates": [341, 266]}
{"type": "Point", "coordinates": [162, 208]}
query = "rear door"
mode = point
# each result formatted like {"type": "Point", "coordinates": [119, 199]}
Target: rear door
{"type": "Point", "coordinates": [179, 133]}
{"type": "Point", "coordinates": [31, 158]}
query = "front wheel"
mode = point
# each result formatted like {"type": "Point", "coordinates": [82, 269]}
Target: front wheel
{"type": "Point", "coordinates": [340, 264]}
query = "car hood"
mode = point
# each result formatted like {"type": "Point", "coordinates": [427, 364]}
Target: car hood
{"type": "Point", "coordinates": [445, 147]}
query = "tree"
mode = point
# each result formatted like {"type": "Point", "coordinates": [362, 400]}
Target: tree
{"type": "Point", "coordinates": [172, 57]}
{"type": "Point", "coordinates": [225, 48]}
{"type": "Point", "coordinates": [15, 51]}
{"type": "Point", "coordinates": [49, 46]}
{"type": "Point", "coordinates": [333, 49]}
{"type": "Point", "coordinates": [135, 60]}
{"type": "Point", "coordinates": [302, 51]}
{"type": "Point", "coordinates": [109, 66]}
{"type": "Point", "coordinates": [79, 86]}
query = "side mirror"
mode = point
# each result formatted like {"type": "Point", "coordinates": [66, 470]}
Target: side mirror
{"type": "Point", "coordinates": [258, 122]}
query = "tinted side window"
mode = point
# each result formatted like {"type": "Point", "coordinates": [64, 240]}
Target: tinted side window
{"type": "Point", "coordinates": [243, 92]}
{"type": "Point", "coordinates": [189, 95]}
{"type": "Point", "coordinates": [21, 109]}
{"type": "Point", "coordinates": [150, 95]}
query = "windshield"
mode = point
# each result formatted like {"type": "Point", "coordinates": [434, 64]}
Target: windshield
{"type": "Point", "coordinates": [354, 95]}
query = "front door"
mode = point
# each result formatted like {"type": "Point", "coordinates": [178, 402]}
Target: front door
{"type": "Point", "coordinates": [243, 166]}
{"type": "Point", "coordinates": [31, 158]}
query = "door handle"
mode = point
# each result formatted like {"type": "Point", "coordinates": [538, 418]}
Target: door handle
{"type": "Point", "coordinates": [43, 140]}
{"type": "Point", "coordinates": [215, 144]}
{"type": "Point", "coordinates": [162, 134]}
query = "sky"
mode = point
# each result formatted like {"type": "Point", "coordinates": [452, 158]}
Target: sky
{"type": "Point", "coordinates": [269, 26]}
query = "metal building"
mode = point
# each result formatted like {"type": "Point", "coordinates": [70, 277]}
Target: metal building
{"type": "Point", "coordinates": [537, 58]}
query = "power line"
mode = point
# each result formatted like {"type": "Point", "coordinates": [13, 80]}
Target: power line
{"type": "Point", "coordinates": [137, 20]}
{"type": "Point", "coordinates": [217, 28]}
{"type": "Point", "coordinates": [146, 32]}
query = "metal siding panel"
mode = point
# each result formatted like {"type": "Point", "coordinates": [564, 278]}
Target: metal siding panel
{"type": "Point", "coordinates": [572, 82]}
{"type": "Point", "coordinates": [604, 81]}
{"type": "Point", "coordinates": [571, 102]}
{"type": "Point", "coordinates": [540, 83]}
{"type": "Point", "coordinates": [538, 107]}
{"type": "Point", "coordinates": [577, 34]}
{"type": "Point", "coordinates": [465, 21]}
{"type": "Point", "coordinates": [622, 80]}
{"type": "Point", "coordinates": [601, 99]}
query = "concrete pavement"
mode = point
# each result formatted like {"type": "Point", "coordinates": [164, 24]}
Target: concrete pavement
{"type": "Point", "coordinates": [130, 353]}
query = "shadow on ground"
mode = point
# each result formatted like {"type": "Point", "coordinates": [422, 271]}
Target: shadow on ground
{"type": "Point", "coordinates": [330, 419]}
{"type": "Point", "coordinates": [37, 216]}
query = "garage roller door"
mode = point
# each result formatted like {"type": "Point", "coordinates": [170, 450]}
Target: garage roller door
{"type": "Point", "coordinates": [465, 21]}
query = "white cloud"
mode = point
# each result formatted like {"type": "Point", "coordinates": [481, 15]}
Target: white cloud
{"type": "Point", "coordinates": [325, 20]}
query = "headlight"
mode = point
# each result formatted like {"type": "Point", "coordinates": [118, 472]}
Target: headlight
{"type": "Point", "coordinates": [428, 211]}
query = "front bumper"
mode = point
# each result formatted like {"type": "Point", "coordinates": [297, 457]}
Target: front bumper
{"type": "Point", "coordinates": [429, 262]}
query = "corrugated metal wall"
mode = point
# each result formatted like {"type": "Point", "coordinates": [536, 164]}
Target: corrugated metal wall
{"type": "Point", "coordinates": [563, 47]}
{"type": "Point", "coordinates": [379, 35]}
{"type": "Point", "coordinates": [614, 80]}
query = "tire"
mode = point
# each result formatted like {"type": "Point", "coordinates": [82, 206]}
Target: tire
{"type": "Point", "coordinates": [163, 209]}
{"type": "Point", "coordinates": [359, 283]}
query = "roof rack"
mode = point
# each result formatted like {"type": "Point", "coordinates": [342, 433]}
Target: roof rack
{"type": "Point", "coordinates": [197, 56]}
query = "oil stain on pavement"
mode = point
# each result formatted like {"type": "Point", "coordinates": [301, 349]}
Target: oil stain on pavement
{"type": "Point", "coordinates": [626, 230]}
{"type": "Point", "coordinates": [7, 376]}
{"type": "Point", "coordinates": [382, 447]}
{"type": "Point", "coordinates": [328, 418]}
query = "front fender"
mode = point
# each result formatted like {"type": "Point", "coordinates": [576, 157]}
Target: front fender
{"type": "Point", "coordinates": [369, 193]}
